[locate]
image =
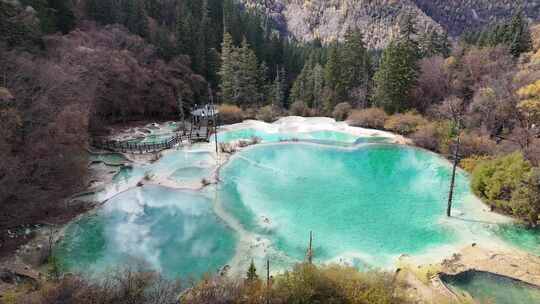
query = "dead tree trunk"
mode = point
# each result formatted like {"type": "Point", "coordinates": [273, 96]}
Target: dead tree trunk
{"type": "Point", "coordinates": [452, 182]}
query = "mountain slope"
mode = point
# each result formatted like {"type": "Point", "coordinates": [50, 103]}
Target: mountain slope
{"type": "Point", "coordinates": [328, 20]}
{"type": "Point", "coordinates": [457, 16]}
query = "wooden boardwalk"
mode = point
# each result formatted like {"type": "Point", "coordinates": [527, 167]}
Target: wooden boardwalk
{"type": "Point", "coordinates": [201, 127]}
{"type": "Point", "coordinates": [186, 137]}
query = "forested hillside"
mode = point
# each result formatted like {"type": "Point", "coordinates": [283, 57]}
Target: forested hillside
{"type": "Point", "coordinates": [329, 20]}
{"type": "Point", "coordinates": [460, 78]}
{"type": "Point", "coordinates": [458, 16]}
{"type": "Point", "coordinates": [72, 68]}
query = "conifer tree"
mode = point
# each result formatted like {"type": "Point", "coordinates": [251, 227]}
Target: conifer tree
{"type": "Point", "coordinates": [317, 76]}
{"type": "Point", "coordinates": [64, 16]}
{"type": "Point", "coordinates": [521, 41]}
{"type": "Point", "coordinates": [247, 75]}
{"type": "Point", "coordinates": [200, 54]}
{"type": "Point", "coordinates": [135, 17]}
{"type": "Point", "coordinates": [301, 89]}
{"type": "Point", "coordinates": [103, 11]}
{"type": "Point", "coordinates": [356, 67]}
{"type": "Point", "coordinates": [252, 272]}
{"type": "Point", "coordinates": [333, 78]}
{"type": "Point", "coordinates": [407, 26]}
{"type": "Point", "coordinates": [396, 77]}
{"type": "Point", "coordinates": [262, 83]}
{"type": "Point", "coordinates": [444, 45]}
{"type": "Point", "coordinates": [278, 88]}
{"type": "Point", "coordinates": [226, 71]}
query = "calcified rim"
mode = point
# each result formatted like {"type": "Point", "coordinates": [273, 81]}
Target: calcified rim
{"type": "Point", "coordinates": [294, 125]}
{"type": "Point", "coordinates": [434, 254]}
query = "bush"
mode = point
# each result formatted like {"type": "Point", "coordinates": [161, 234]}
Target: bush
{"type": "Point", "coordinates": [405, 124]}
{"type": "Point", "coordinates": [469, 164]}
{"type": "Point", "coordinates": [495, 180]}
{"type": "Point", "coordinates": [268, 113]}
{"type": "Point", "coordinates": [305, 283]}
{"type": "Point", "coordinates": [476, 144]}
{"type": "Point", "coordinates": [526, 199]}
{"type": "Point", "coordinates": [120, 287]}
{"type": "Point", "coordinates": [373, 118]}
{"type": "Point", "coordinates": [230, 114]}
{"type": "Point", "coordinates": [341, 111]}
{"type": "Point", "coordinates": [299, 108]}
{"type": "Point", "coordinates": [432, 136]}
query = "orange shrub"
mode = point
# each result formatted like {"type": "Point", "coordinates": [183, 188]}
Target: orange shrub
{"type": "Point", "coordinates": [406, 123]}
{"type": "Point", "coordinates": [373, 118]}
{"type": "Point", "coordinates": [230, 114]}
{"type": "Point", "coordinates": [268, 113]}
{"type": "Point", "coordinates": [299, 108]}
{"type": "Point", "coordinates": [341, 111]}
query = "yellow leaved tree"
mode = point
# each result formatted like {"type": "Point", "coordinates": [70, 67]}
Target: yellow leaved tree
{"type": "Point", "coordinates": [529, 106]}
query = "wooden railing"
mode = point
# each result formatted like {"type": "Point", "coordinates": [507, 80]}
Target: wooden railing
{"type": "Point", "coordinates": [131, 147]}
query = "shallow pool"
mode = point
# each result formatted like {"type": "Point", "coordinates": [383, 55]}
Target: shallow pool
{"type": "Point", "coordinates": [367, 205]}
{"type": "Point", "coordinates": [521, 237]}
{"type": "Point", "coordinates": [172, 231]}
{"type": "Point", "coordinates": [323, 136]}
{"type": "Point", "coordinates": [486, 287]}
{"type": "Point", "coordinates": [111, 159]}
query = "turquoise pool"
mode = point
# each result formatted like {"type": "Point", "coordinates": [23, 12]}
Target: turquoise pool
{"type": "Point", "coordinates": [366, 205]}
{"type": "Point", "coordinates": [325, 136]}
{"type": "Point", "coordinates": [172, 231]}
{"type": "Point", "coordinates": [486, 287]}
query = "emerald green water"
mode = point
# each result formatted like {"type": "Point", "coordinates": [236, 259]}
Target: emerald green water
{"type": "Point", "coordinates": [172, 231]}
{"type": "Point", "coordinates": [366, 202]}
{"type": "Point", "coordinates": [180, 166]}
{"type": "Point", "coordinates": [329, 137]}
{"type": "Point", "coordinates": [490, 288]}
{"type": "Point", "coordinates": [371, 203]}
{"type": "Point", "coordinates": [521, 237]}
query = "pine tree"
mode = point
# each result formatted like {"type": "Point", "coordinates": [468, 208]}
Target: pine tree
{"type": "Point", "coordinates": [165, 45]}
{"type": "Point", "coordinates": [407, 26]}
{"type": "Point", "coordinates": [432, 43]}
{"type": "Point", "coordinates": [200, 56]}
{"type": "Point", "coordinates": [398, 70]}
{"type": "Point", "coordinates": [333, 78]}
{"type": "Point", "coordinates": [283, 86]}
{"type": "Point", "coordinates": [262, 83]}
{"type": "Point", "coordinates": [356, 66]}
{"type": "Point", "coordinates": [184, 27]}
{"type": "Point", "coordinates": [396, 76]}
{"type": "Point", "coordinates": [226, 71]}
{"type": "Point", "coordinates": [445, 45]}
{"type": "Point", "coordinates": [102, 11]}
{"type": "Point", "coordinates": [252, 273]}
{"type": "Point", "coordinates": [247, 75]}
{"type": "Point", "coordinates": [278, 92]}
{"type": "Point", "coordinates": [521, 41]}
{"type": "Point", "coordinates": [302, 90]}
{"type": "Point", "coordinates": [64, 16]}
{"type": "Point", "coordinates": [317, 76]}
{"type": "Point", "coordinates": [135, 17]}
